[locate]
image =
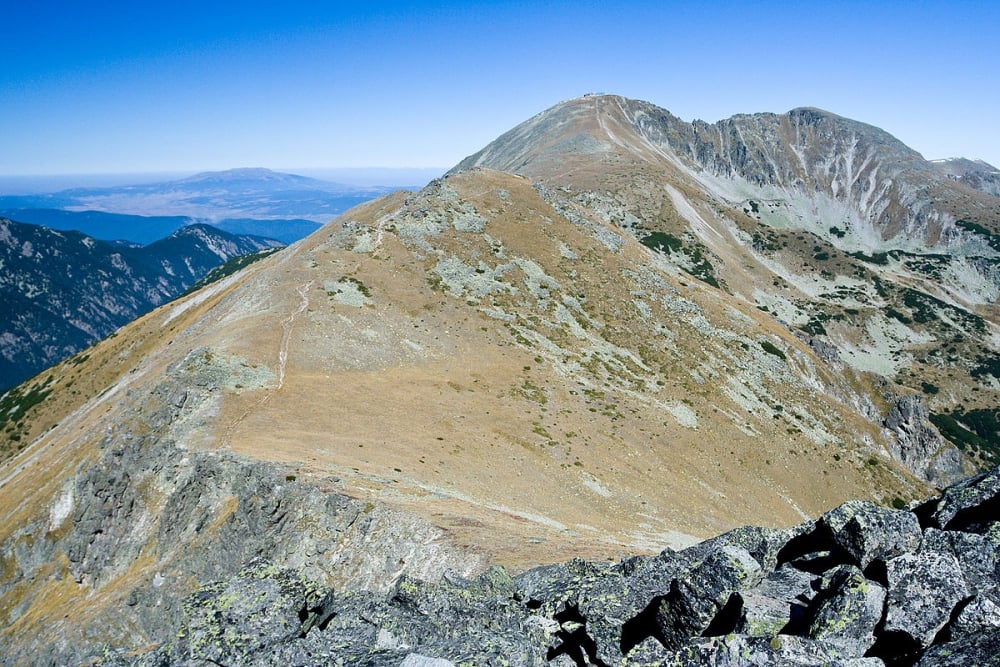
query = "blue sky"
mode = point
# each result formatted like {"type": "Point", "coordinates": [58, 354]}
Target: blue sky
{"type": "Point", "coordinates": [114, 87]}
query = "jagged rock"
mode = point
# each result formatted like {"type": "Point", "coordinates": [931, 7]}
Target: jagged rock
{"type": "Point", "coordinates": [779, 603]}
{"type": "Point", "coordinates": [978, 555]}
{"type": "Point", "coordinates": [918, 445]}
{"type": "Point", "coordinates": [980, 613]}
{"type": "Point", "coordinates": [705, 593]}
{"type": "Point", "coordinates": [867, 532]}
{"type": "Point", "coordinates": [712, 604]}
{"type": "Point", "coordinates": [981, 650]}
{"type": "Point", "coordinates": [415, 660]}
{"type": "Point", "coordinates": [786, 650]}
{"type": "Point", "coordinates": [247, 615]}
{"type": "Point", "coordinates": [764, 544]}
{"type": "Point", "coordinates": [849, 609]}
{"type": "Point", "coordinates": [970, 505]}
{"type": "Point", "coordinates": [923, 591]}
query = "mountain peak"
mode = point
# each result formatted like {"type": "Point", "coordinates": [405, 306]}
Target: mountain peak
{"type": "Point", "coordinates": [238, 174]}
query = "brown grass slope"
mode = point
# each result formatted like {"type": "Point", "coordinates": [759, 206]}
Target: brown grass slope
{"type": "Point", "coordinates": [540, 387]}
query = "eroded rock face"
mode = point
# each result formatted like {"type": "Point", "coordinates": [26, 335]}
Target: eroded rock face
{"type": "Point", "coordinates": [919, 446]}
{"type": "Point", "coordinates": [862, 587]}
{"type": "Point", "coordinates": [152, 522]}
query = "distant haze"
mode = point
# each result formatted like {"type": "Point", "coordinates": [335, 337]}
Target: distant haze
{"type": "Point", "coordinates": [362, 177]}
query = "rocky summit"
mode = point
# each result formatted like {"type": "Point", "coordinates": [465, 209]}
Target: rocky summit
{"type": "Point", "coordinates": [862, 586]}
{"type": "Point", "coordinates": [608, 333]}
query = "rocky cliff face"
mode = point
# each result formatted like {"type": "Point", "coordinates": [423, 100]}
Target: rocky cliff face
{"type": "Point", "coordinates": [62, 291]}
{"type": "Point", "coordinates": [862, 586]}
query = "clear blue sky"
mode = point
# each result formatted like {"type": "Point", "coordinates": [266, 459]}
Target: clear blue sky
{"type": "Point", "coordinates": [101, 87]}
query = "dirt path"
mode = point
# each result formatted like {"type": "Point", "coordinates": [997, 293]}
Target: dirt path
{"type": "Point", "coordinates": [286, 337]}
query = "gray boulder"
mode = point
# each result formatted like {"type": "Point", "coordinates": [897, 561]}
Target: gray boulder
{"type": "Point", "coordinates": [779, 603]}
{"type": "Point", "coordinates": [866, 532]}
{"type": "Point", "coordinates": [971, 505]}
{"type": "Point", "coordinates": [695, 601]}
{"type": "Point", "coordinates": [849, 610]}
{"type": "Point", "coordinates": [415, 660]}
{"type": "Point", "coordinates": [923, 590]}
{"type": "Point", "coordinates": [981, 613]}
{"type": "Point", "coordinates": [977, 555]}
{"type": "Point", "coordinates": [980, 650]}
{"type": "Point", "coordinates": [785, 650]}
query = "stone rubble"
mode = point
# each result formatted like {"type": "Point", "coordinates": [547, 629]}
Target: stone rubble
{"type": "Point", "coordinates": [862, 586]}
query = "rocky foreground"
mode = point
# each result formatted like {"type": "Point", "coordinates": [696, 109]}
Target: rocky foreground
{"type": "Point", "coordinates": [862, 585]}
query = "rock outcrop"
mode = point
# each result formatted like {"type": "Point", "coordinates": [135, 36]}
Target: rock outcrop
{"type": "Point", "coordinates": [151, 520]}
{"type": "Point", "coordinates": [918, 445]}
{"type": "Point", "coordinates": [863, 586]}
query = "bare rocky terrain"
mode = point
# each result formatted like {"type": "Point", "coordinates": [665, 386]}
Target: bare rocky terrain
{"type": "Point", "coordinates": [608, 333]}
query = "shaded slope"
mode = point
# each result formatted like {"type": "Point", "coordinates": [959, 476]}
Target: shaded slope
{"type": "Point", "coordinates": [63, 291]}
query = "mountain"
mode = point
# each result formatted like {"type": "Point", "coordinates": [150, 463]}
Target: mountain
{"type": "Point", "coordinates": [100, 224]}
{"type": "Point", "coordinates": [974, 173]}
{"type": "Point", "coordinates": [146, 229]}
{"type": "Point", "coordinates": [607, 333]}
{"type": "Point", "coordinates": [879, 259]}
{"type": "Point", "coordinates": [276, 205]}
{"type": "Point", "coordinates": [63, 291]}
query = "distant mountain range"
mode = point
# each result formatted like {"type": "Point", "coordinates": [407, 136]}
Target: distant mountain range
{"type": "Point", "coordinates": [62, 290]}
{"type": "Point", "coordinates": [262, 202]}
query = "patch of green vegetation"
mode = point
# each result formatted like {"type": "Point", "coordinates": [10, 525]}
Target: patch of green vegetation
{"type": "Point", "coordinates": [541, 430]}
{"type": "Point", "coordinates": [231, 267]}
{"type": "Point", "coordinates": [771, 348]}
{"type": "Point", "coordinates": [986, 365]}
{"type": "Point", "coordinates": [664, 243]}
{"type": "Point", "coordinates": [898, 316]}
{"type": "Point", "coordinates": [991, 238]}
{"type": "Point", "coordinates": [925, 309]}
{"type": "Point", "coordinates": [898, 503]}
{"type": "Point", "coordinates": [976, 432]}
{"type": "Point", "coordinates": [821, 256]}
{"type": "Point", "coordinates": [765, 241]}
{"type": "Point", "coordinates": [838, 232]}
{"type": "Point", "coordinates": [880, 258]}
{"type": "Point", "coordinates": [360, 285]}
{"type": "Point", "coordinates": [928, 388]}
{"type": "Point", "coordinates": [434, 280]}
{"type": "Point", "coordinates": [702, 269]}
{"type": "Point", "coordinates": [814, 327]}
{"type": "Point", "coordinates": [882, 290]}
{"type": "Point", "coordinates": [929, 265]}
{"type": "Point", "coordinates": [15, 405]}
{"type": "Point", "coordinates": [532, 392]}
